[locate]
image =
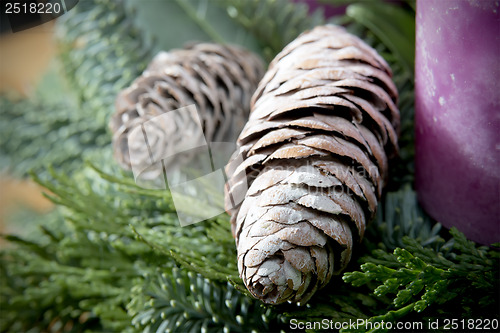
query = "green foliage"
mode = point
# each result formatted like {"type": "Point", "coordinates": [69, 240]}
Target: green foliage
{"type": "Point", "coordinates": [51, 283]}
{"type": "Point", "coordinates": [196, 20]}
{"type": "Point", "coordinates": [187, 302]}
{"type": "Point", "coordinates": [88, 261]}
{"type": "Point", "coordinates": [420, 277]}
{"type": "Point", "coordinates": [30, 136]}
{"type": "Point", "coordinates": [288, 21]}
{"type": "Point", "coordinates": [102, 52]}
{"type": "Point", "coordinates": [400, 215]}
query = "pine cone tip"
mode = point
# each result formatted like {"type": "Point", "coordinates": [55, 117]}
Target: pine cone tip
{"type": "Point", "coordinates": [277, 281]}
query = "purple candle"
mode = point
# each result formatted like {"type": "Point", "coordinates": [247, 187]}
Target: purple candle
{"type": "Point", "coordinates": [457, 100]}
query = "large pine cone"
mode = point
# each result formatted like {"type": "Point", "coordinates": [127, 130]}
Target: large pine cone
{"type": "Point", "coordinates": [311, 163]}
{"type": "Point", "coordinates": [218, 79]}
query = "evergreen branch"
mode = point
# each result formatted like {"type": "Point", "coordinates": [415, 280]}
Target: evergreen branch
{"type": "Point", "coordinates": [423, 277]}
{"type": "Point", "coordinates": [187, 302]}
{"type": "Point", "coordinates": [394, 26]}
{"type": "Point", "coordinates": [274, 23]}
{"type": "Point", "coordinates": [35, 133]}
{"type": "Point", "coordinates": [51, 288]}
{"type": "Point", "coordinates": [209, 268]}
{"type": "Point", "coordinates": [217, 273]}
{"type": "Point", "coordinates": [200, 19]}
{"type": "Point", "coordinates": [400, 215]}
{"type": "Point", "coordinates": [102, 53]}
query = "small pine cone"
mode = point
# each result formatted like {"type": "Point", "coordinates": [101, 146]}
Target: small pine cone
{"type": "Point", "coordinates": [218, 79]}
{"type": "Point", "coordinates": [311, 163]}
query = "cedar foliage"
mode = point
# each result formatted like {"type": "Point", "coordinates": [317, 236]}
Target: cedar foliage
{"type": "Point", "coordinates": [112, 256]}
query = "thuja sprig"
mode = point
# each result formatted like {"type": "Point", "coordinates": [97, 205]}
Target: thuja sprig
{"type": "Point", "coordinates": [419, 278]}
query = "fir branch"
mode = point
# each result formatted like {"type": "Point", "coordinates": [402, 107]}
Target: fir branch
{"type": "Point", "coordinates": [102, 52]}
{"type": "Point", "coordinates": [35, 133]}
{"type": "Point", "coordinates": [194, 20]}
{"type": "Point", "coordinates": [400, 215]}
{"type": "Point", "coordinates": [210, 264]}
{"type": "Point", "coordinates": [86, 266]}
{"type": "Point", "coordinates": [43, 291]}
{"type": "Point", "coordinates": [187, 302]}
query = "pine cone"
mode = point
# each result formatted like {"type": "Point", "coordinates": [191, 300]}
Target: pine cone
{"type": "Point", "coordinates": [218, 79]}
{"type": "Point", "coordinates": [311, 163]}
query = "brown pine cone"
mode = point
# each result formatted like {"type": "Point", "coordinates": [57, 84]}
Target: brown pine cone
{"type": "Point", "coordinates": [311, 163]}
{"type": "Point", "coordinates": [218, 79]}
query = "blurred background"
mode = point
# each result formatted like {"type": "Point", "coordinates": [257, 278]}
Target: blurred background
{"type": "Point", "coordinates": [24, 57]}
